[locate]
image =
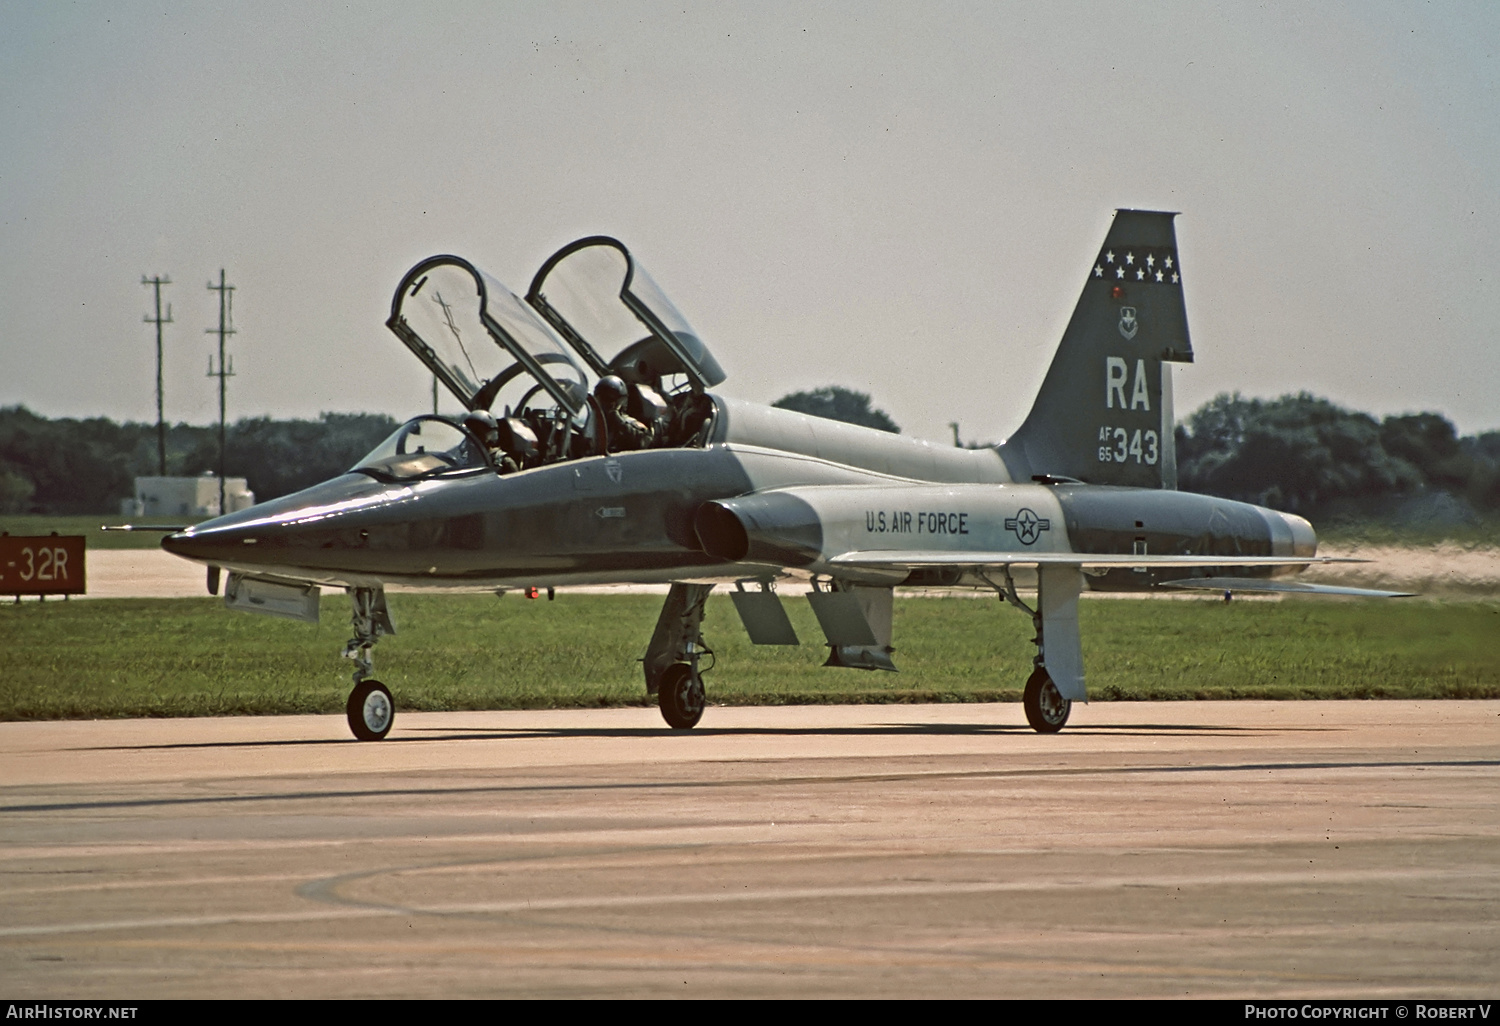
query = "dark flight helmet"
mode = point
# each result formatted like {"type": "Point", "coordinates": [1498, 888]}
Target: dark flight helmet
{"type": "Point", "coordinates": [610, 391]}
{"type": "Point", "coordinates": [481, 424]}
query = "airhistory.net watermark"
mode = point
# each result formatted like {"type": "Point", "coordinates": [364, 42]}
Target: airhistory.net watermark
{"type": "Point", "coordinates": [56, 1010]}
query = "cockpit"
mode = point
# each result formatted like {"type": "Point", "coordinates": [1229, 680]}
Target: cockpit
{"type": "Point", "coordinates": [595, 360]}
{"type": "Point", "coordinates": [425, 447]}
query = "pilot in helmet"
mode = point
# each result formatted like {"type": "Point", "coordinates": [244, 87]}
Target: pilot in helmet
{"type": "Point", "coordinates": [625, 432]}
{"type": "Point", "coordinates": [483, 426]}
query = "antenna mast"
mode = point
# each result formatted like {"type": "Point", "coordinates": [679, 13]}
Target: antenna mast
{"type": "Point", "coordinates": [226, 370]}
{"type": "Point", "coordinates": [161, 424]}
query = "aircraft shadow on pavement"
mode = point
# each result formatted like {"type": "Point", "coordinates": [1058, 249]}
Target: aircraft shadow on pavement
{"type": "Point", "coordinates": [421, 735]}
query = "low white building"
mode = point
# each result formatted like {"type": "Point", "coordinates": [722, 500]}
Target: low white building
{"type": "Point", "coordinates": [186, 497]}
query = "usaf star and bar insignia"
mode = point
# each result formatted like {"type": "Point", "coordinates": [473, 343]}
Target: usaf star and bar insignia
{"type": "Point", "coordinates": [1028, 527]}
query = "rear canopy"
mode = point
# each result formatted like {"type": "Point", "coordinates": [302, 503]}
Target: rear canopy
{"type": "Point", "coordinates": [614, 316]}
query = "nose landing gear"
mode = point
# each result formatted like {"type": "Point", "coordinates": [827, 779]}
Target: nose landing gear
{"type": "Point", "coordinates": [370, 708]}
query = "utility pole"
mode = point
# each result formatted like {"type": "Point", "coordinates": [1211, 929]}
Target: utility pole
{"type": "Point", "coordinates": [226, 370]}
{"type": "Point", "coordinates": [161, 424]}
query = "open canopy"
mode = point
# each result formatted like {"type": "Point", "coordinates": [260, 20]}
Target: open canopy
{"type": "Point", "coordinates": [616, 318]}
{"type": "Point", "coordinates": [489, 348]}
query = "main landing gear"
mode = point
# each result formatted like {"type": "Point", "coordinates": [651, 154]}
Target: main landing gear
{"type": "Point", "coordinates": [680, 696]}
{"type": "Point", "coordinates": [1046, 709]}
{"type": "Point", "coordinates": [370, 709]}
{"type": "Point", "coordinates": [671, 660]}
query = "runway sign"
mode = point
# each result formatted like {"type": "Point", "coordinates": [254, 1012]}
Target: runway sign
{"type": "Point", "coordinates": [41, 565]}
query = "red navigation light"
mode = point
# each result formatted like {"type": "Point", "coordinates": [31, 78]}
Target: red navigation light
{"type": "Point", "coordinates": [1117, 292]}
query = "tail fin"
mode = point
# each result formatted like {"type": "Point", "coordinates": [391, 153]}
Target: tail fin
{"type": "Point", "coordinates": [1104, 413]}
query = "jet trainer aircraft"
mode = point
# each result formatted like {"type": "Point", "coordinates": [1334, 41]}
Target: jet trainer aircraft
{"type": "Point", "coordinates": [595, 453]}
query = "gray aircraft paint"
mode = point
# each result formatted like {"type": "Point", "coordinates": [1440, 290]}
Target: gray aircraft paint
{"type": "Point", "coordinates": [851, 445]}
{"type": "Point", "coordinates": [806, 527]}
{"type": "Point", "coordinates": [1084, 492]}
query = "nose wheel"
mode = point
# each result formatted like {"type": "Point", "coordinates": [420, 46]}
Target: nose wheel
{"type": "Point", "coordinates": [371, 710]}
{"type": "Point", "coordinates": [680, 696]}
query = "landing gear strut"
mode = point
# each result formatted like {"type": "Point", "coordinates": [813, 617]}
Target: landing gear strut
{"type": "Point", "coordinates": [671, 660]}
{"type": "Point", "coordinates": [370, 709]}
{"type": "Point", "coordinates": [1046, 709]}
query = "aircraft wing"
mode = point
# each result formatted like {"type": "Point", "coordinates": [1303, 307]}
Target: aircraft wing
{"type": "Point", "coordinates": [915, 560]}
{"type": "Point", "coordinates": [1280, 587]}
{"type": "Point", "coordinates": [880, 559]}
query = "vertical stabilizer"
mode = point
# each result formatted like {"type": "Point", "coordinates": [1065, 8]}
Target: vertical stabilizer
{"type": "Point", "coordinates": [1104, 412]}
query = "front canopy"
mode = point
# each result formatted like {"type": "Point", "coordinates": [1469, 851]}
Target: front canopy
{"type": "Point", "coordinates": [489, 348]}
{"type": "Point", "coordinates": [614, 316]}
{"type": "Point", "coordinates": [424, 447]}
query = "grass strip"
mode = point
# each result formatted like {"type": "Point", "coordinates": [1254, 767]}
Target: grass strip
{"type": "Point", "coordinates": [191, 657]}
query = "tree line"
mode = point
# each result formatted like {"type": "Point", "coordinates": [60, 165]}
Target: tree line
{"type": "Point", "coordinates": [65, 466]}
{"type": "Point", "coordinates": [1298, 453]}
{"type": "Point", "coordinates": [1303, 454]}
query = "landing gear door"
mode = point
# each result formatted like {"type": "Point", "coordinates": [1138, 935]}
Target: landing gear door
{"type": "Point", "coordinates": [490, 349]}
{"type": "Point", "coordinates": [595, 294]}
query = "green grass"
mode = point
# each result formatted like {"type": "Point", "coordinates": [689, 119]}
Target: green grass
{"type": "Point", "coordinates": [88, 526]}
{"type": "Point", "coordinates": [191, 657]}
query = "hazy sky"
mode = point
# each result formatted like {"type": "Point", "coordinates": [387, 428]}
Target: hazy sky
{"type": "Point", "coordinates": [902, 198]}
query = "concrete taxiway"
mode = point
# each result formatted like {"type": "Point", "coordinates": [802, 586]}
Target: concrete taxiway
{"type": "Point", "coordinates": [1269, 849]}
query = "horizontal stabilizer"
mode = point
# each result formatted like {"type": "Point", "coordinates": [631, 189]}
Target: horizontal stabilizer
{"type": "Point", "coordinates": [1280, 587]}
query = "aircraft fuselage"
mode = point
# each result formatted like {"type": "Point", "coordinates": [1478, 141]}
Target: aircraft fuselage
{"type": "Point", "coordinates": [640, 517]}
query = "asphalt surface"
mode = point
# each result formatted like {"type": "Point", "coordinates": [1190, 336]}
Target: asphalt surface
{"type": "Point", "coordinates": [1297, 849]}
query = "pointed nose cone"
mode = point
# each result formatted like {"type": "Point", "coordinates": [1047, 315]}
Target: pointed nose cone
{"type": "Point", "coordinates": [216, 541]}
{"type": "Point", "coordinates": [264, 533]}
{"type": "Point", "coordinates": [202, 543]}
{"type": "Point", "coordinates": [183, 544]}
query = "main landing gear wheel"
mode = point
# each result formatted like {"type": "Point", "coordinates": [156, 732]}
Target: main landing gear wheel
{"type": "Point", "coordinates": [680, 696]}
{"type": "Point", "coordinates": [1046, 709]}
{"type": "Point", "coordinates": [371, 710]}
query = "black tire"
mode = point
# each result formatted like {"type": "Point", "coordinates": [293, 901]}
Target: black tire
{"type": "Point", "coordinates": [1046, 709]}
{"type": "Point", "coordinates": [680, 696]}
{"type": "Point", "coordinates": [371, 710]}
